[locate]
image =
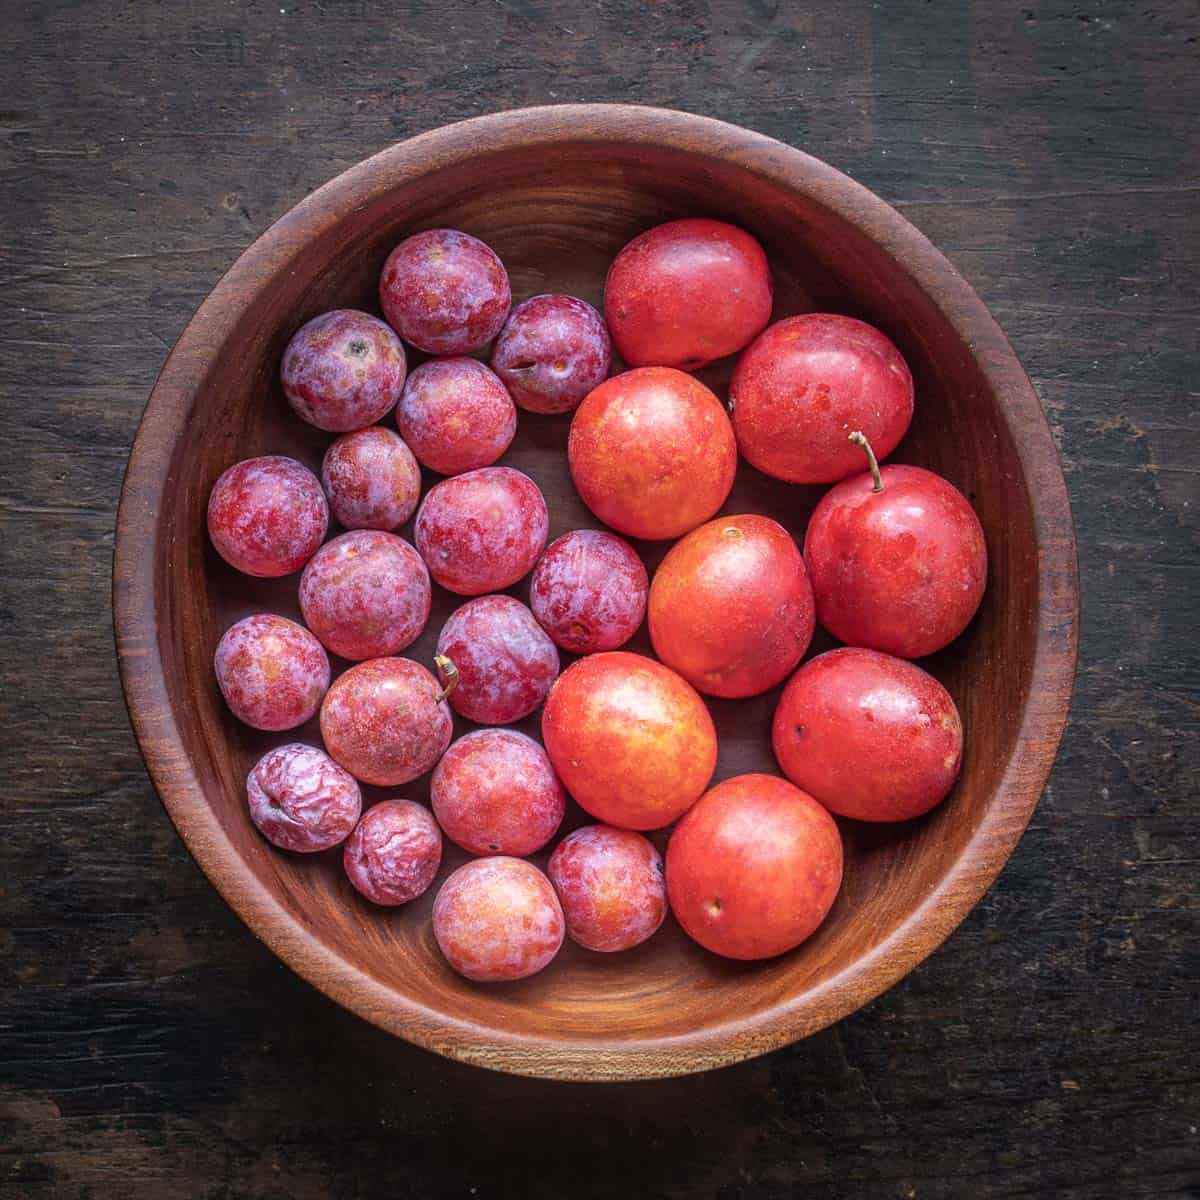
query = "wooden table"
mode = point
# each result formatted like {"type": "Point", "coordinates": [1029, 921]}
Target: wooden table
{"type": "Point", "coordinates": [152, 1048]}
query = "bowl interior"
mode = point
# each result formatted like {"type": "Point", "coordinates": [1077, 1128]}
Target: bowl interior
{"type": "Point", "coordinates": [557, 216]}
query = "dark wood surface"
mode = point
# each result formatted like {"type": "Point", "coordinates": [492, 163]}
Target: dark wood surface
{"type": "Point", "coordinates": [152, 1047]}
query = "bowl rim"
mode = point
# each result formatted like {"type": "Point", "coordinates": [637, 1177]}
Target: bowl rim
{"type": "Point", "coordinates": [138, 549]}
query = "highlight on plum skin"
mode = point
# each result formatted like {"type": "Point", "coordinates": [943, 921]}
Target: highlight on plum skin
{"type": "Point", "coordinates": [611, 886]}
{"type": "Point", "coordinates": [386, 721]}
{"type": "Point", "coordinates": [301, 800]}
{"type": "Point", "coordinates": [394, 852]}
{"type": "Point", "coordinates": [482, 531]}
{"type": "Point", "coordinates": [588, 591]}
{"type": "Point", "coordinates": [498, 919]}
{"type": "Point", "coordinates": [506, 662]}
{"type": "Point", "coordinates": [495, 792]}
{"type": "Point", "coordinates": [456, 415]}
{"type": "Point", "coordinates": [444, 291]}
{"type": "Point", "coordinates": [551, 352]}
{"type": "Point", "coordinates": [267, 516]}
{"type": "Point", "coordinates": [365, 594]}
{"type": "Point", "coordinates": [371, 479]}
{"type": "Point", "coordinates": [343, 370]}
{"type": "Point", "coordinates": [272, 672]}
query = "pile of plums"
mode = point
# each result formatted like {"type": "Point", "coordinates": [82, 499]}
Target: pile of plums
{"type": "Point", "coordinates": [893, 565]}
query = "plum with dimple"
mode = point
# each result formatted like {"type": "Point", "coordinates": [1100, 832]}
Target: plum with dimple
{"type": "Point", "coordinates": [271, 671]}
{"type": "Point", "coordinates": [343, 370]}
{"type": "Point", "coordinates": [372, 479]}
{"type": "Point", "coordinates": [301, 800]}
{"type": "Point", "coordinates": [267, 516]}
{"type": "Point", "coordinates": [498, 919]}
{"type": "Point", "coordinates": [482, 531]}
{"type": "Point", "coordinates": [456, 415]}
{"type": "Point", "coordinates": [551, 352]}
{"type": "Point", "coordinates": [394, 852]}
{"type": "Point", "coordinates": [386, 721]}
{"type": "Point", "coordinates": [588, 591]}
{"type": "Point", "coordinates": [506, 662]}
{"type": "Point", "coordinates": [495, 792]}
{"type": "Point", "coordinates": [444, 291]}
{"type": "Point", "coordinates": [611, 887]}
{"type": "Point", "coordinates": [365, 594]}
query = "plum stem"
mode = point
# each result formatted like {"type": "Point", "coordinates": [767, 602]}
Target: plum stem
{"type": "Point", "coordinates": [860, 439]}
{"type": "Point", "coordinates": [448, 674]}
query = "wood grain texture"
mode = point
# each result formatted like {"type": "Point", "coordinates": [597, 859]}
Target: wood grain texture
{"type": "Point", "coordinates": [151, 1046]}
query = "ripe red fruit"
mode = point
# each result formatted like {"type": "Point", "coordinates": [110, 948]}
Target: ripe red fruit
{"type": "Point", "coordinates": [588, 592]}
{"type": "Point", "coordinates": [271, 671]}
{"type": "Point", "coordinates": [630, 739]}
{"type": "Point", "coordinates": [394, 853]}
{"type": "Point", "coordinates": [267, 516]}
{"type": "Point", "coordinates": [497, 919]}
{"type": "Point", "coordinates": [611, 887]}
{"type": "Point", "coordinates": [444, 291]}
{"type": "Point", "coordinates": [551, 352]}
{"type": "Point", "coordinates": [652, 453]}
{"type": "Point", "coordinates": [731, 608]}
{"type": "Point", "coordinates": [386, 721]}
{"type": "Point", "coordinates": [301, 800]}
{"type": "Point", "coordinates": [495, 792]}
{"type": "Point", "coordinates": [897, 560]}
{"type": "Point", "coordinates": [687, 292]}
{"type": "Point", "coordinates": [805, 384]}
{"type": "Point", "coordinates": [754, 867]}
{"type": "Point", "coordinates": [456, 415]}
{"type": "Point", "coordinates": [482, 531]}
{"type": "Point", "coordinates": [343, 371]}
{"type": "Point", "coordinates": [871, 736]}
{"type": "Point", "coordinates": [365, 594]}
{"type": "Point", "coordinates": [506, 662]}
{"type": "Point", "coordinates": [372, 479]}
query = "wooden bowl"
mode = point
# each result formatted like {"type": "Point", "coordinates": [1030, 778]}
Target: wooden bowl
{"type": "Point", "coordinates": [557, 191]}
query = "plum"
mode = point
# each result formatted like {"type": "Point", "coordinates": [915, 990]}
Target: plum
{"type": "Point", "coordinates": [498, 919]}
{"type": "Point", "coordinates": [506, 662]}
{"type": "Point", "coordinates": [588, 591]}
{"type": "Point", "coordinates": [456, 415]}
{"type": "Point", "coordinates": [632, 741]}
{"type": "Point", "coordinates": [267, 516]}
{"type": "Point", "coordinates": [552, 351]}
{"type": "Point", "coordinates": [444, 291]}
{"type": "Point", "coordinates": [365, 594]}
{"type": "Point", "coordinates": [687, 292]}
{"type": "Point", "coordinates": [301, 800]}
{"type": "Point", "coordinates": [372, 479]}
{"type": "Point", "coordinates": [271, 671]}
{"type": "Point", "coordinates": [343, 370]}
{"type": "Point", "coordinates": [495, 792]}
{"type": "Point", "coordinates": [611, 887]}
{"type": "Point", "coordinates": [754, 867]}
{"type": "Point", "coordinates": [652, 453]}
{"type": "Point", "coordinates": [394, 852]}
{"type": "Point", "coordinates": [482, 531]}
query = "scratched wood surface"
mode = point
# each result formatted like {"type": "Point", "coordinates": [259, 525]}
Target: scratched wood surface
{"type": "Point", "coordinates": [151, 1047]}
